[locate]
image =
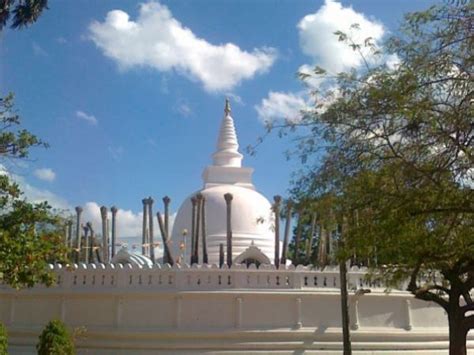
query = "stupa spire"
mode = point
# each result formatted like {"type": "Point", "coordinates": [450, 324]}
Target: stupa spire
{"type": "Point", "coordinates": [227, 153]}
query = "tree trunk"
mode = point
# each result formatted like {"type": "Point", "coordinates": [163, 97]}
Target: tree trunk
{"type": "Point", "coordinates": [457, 333]}
{"type": "Point", "coordinates": [346, 335]}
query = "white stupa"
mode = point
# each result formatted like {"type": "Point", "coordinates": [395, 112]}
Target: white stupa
{"type": "Point", "coordinates": [252, 218]}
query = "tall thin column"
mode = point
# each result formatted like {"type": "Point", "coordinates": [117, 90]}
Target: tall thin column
{"type": "Point", "coordinates": [276, 210]}
{"type": "Point", "coordinates": [144, 227]}
{"type": "Point", "coordinates": [90, 251]}
{"type": "Point", "coordinates": [114, 229]}
{"type": "Point", "coordinates": [205, 259]}
{"type": "Point", "coordinates": [221, 255]}
{"type": "Point", "coordinates": [150, 229]}
{"type": "Point", "coordinates": [86, 243]}
{"type": "Point", "coordinates": [167, 255]}
{"type": "Point", "coordinates": [228, 199]}
{"type": "Point", "coordinates": [198, 228]}
{"type": "Point", "coordinates": [289, 206]}
{"type": "Point", "coordinates": [78, 233]}
{"type": "Point", "coordinates": [166, 202]}
{"type": "Point", "coordinates": [105, 235]}
{"type": "Point", "coordinates": [193, 227]}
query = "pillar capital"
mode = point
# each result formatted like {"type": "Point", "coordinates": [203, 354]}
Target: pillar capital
{"type": "Point", "coordinates": [79, 209]}
{"type": "Point", "coordinates": [103, 212]}
{"type": "Point", "coordinates": [166, 200]}
{"type": "Point", "coordinates": [228, 197]}
{"type": "Point", "coordinates": [114, 210]}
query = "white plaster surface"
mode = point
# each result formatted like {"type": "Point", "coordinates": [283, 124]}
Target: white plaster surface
{"type": "Point", "coordinates": [204, 309]}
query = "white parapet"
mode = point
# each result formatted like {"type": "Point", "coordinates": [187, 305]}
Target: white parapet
{"type": "Point", "coordinates": [148, 309]}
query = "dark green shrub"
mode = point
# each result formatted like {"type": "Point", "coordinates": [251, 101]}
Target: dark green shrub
{"type": "Point", "coordinates": [55, 340]}
{"type": "Point", "coordinates": [3, 340]}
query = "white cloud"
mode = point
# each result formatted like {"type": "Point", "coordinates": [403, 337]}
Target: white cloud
{"type": "Point", "coordinates": [183, 109]}
{"type": "Point", "coordinates": [38, 50]}
{"type": "Point", "coordinates": [281, 105]}
{"type": "Point", "coordinates": [129, 223]}
{"type": "Point", "coordinates": [45, 174]}
{"type": "Point", "coordinates": [157, 40]}
{"type": "Point", "coordinates": [317, 39]}
{"type": "Point", "coordinates": [86, 117]}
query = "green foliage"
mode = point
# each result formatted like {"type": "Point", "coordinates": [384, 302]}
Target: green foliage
{"type": "Point", "coordinates": [14, 142]}
{"type": "Point", "coordinates": [22, 12]}
{"type": "Point", "coordinates": [3, 340]}
{"type": "Point", "coordinates": [30, 233]}
{"type": "Point", "coordinates": [394, 156]}
{"type": "Point", "coordinates": [55, 340]}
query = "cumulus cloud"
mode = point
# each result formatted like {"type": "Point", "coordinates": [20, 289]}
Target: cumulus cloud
{"type": "Point", "coordinates": [45, 174]}
{"type": "Point", "coordinates": [317, 39]}
{"type": "Point", "coordinates": [281, 105]}
{"type": "Point", "coordinates": [157, 40]}
{"type": "Point", "coordinates": [129, 225]}
{"type": "Point", "coordinates": [86, 117]}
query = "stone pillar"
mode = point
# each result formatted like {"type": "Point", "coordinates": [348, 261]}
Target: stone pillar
{"type": "Point", "coordinates": [78, 233]}
{"type": "Point", "coordinates": [289, 206]}
{"type": "Point", "coordinates": [205, 259]}
{"type": "Point", "coordinates": [221, 255]}
{"type": "Point", "coordinates": [198, 227]}
{"type": "Point", "coordinates": [276, 210]}
{"type": "Point", "coordinates": [151, 229]}
{"type": "Point", "coordinates": [193, 228]}
{"type": "Point", "coordinates": [167, 256]}
{"type": "Point", "coordinates": [86, 242]}
{"type": "Point", "coordinates": [144, 227]}
{"type": "Point", "coordinates": [114, 230]}
{"type": "Point", "coordinates": [90, 251]}
{"type": "Point", "coordinates": [228, 199]}
{"type": "Point", "coordinates": [166, 202]}
{"type": "Point", "coordinates": [105, 235]}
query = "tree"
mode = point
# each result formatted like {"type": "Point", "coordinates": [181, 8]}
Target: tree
{"type": "Point", "coordinates": [31, 235]}
{"type": "Point", "coordinates": [55, 340]}
{"type": "Point", "coordinates": [398, 159]}
{"type": "Point", "coordinates": [22, 12]}
{"type": "Point", "coordinates": [3, 340]}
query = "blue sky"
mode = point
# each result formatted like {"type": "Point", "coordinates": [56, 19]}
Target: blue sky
{"type": "Point", "coordinates": [131, 105]}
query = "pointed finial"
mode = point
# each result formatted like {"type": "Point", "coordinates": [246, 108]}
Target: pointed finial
{"type": "Point", "coordinates": [227, 109]}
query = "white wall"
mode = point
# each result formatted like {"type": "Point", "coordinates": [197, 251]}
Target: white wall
{"type": "Point", "coordinates": [142, 310]}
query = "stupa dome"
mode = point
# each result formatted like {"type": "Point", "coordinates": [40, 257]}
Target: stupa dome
{"type": "Point", "coordinates": [252, 218]}
{"type": "Point", "coordinates": [252, 221]}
